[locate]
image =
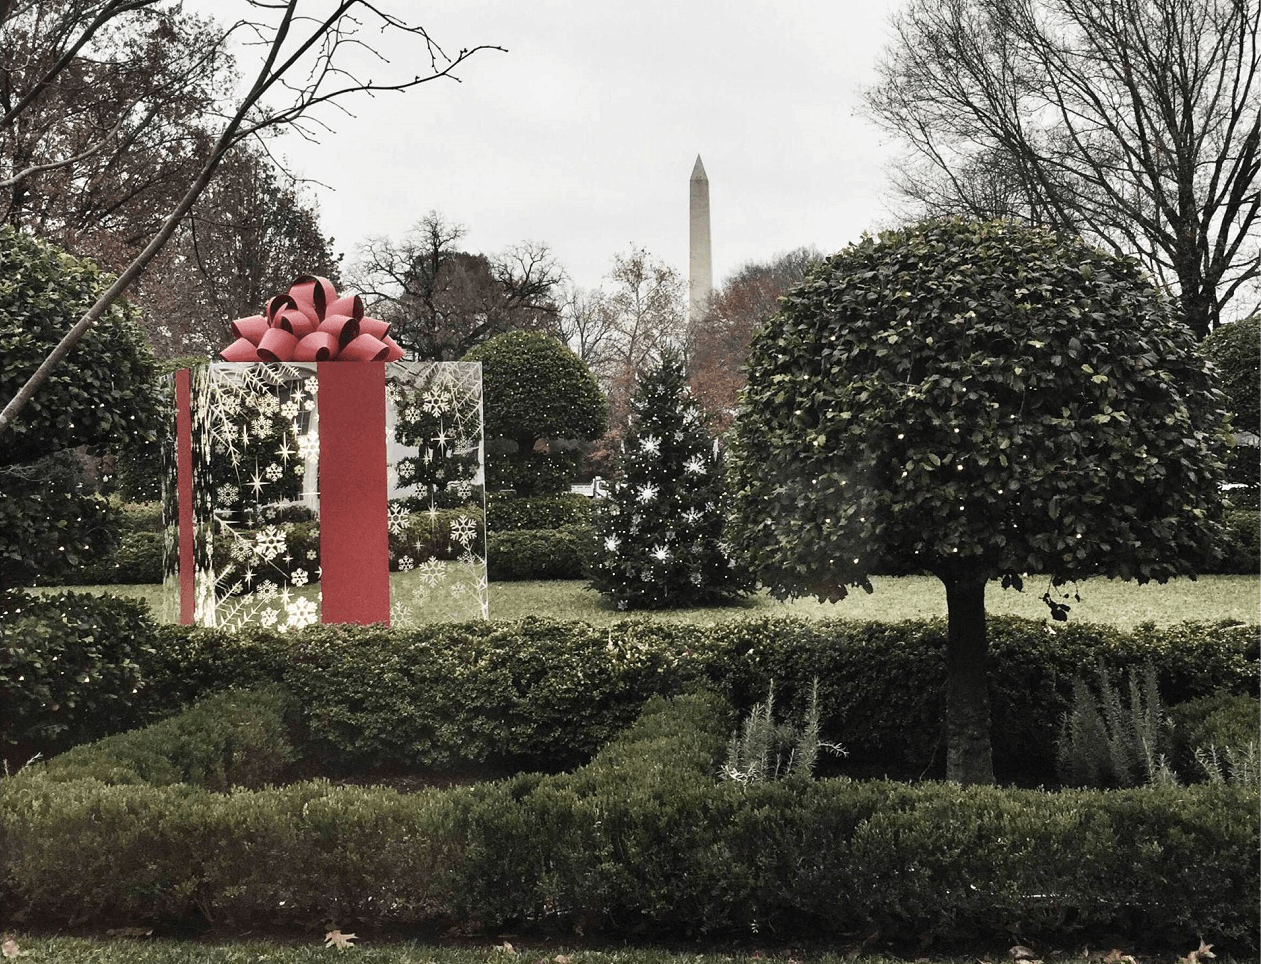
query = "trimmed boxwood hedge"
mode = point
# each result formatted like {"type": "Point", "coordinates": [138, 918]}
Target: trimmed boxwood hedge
{"type": "Point", "coordinates": [644, 839]}
{"type": "Point", "coordinates": [537, 554]}
{"type": "Point", "coordinates": [545, 693]}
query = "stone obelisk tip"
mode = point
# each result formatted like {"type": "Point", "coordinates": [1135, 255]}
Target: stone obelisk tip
{"type": "Point", "coordinates": [698, 172]}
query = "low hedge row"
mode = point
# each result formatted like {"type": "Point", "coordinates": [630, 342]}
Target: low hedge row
{"type": "Point", "coordinates": [233, 739]}
{"type": "Point", "coordinates": [644, 839]}
{"type": "Point", "coordinates": [545, 693]}
{"type": "Point", "coordinates": [537, 554]}
{"type": "Point", "coordinates": [511, 513]}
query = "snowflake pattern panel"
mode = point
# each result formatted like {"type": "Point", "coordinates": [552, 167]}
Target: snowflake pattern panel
{"type": "Point", "coordinates": [256, 508]}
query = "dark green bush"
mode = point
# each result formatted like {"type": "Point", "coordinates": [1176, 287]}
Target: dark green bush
{"type": "Point", "coordinates": [137, 560]}
{"type": "Point", "coordinates": [140, 516]}
{"type": "Point", "coordinates": [645, 840]}
{"type": "Point", "coordinates": [234, 739]}
{"type": "Point", "coordinates": [508, 513]}
{"type": "Point", "coordinates": [537, 554]}
{"type": "Point", "coordinates": [545, 694]}
{"type": "Point", "coordinates": [73, 667]}
{"type": "Point", "coordinates": [1222, 721]}
{"type": "Point", "coordinates": [1241, 552]}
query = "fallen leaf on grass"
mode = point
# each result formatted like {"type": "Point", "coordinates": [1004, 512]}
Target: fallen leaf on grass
{"type": "Point", "coordinates": [339, 940]}
{"type": "Point", "coordinates": [562, 959]}
{"type": "Point", "coordinates": [1020, 953]}
{"type": "Point", "coordinates": [10, 948]}
{"type": "Point", "coordinates": [1198, 955]}
{"type": "Point", "coordinates": [1114, 956]}
{"type": "Point", "coordinates": [506, 948]}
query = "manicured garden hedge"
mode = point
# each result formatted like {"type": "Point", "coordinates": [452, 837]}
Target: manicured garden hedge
{"type": "Point", "coordinates": [643, 839]}
{"type": "Point", "coordinates": [546, 694]}
{"type": "Point", "coordinates": [537, 554]}
{"type": "Point", "coordinates": [510, 513]}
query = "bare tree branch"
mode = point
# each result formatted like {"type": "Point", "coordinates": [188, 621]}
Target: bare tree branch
{"type": "Point", "coordinates": [1136, 122]}
{"type": "Point", "coordinates": [249, 118]}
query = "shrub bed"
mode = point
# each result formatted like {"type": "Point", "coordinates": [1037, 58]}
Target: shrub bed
{"type": "Point", "coordinates": [537, 554]}
{"type": "Point", "coordinates": [234, 739]}
{"type": "Point", "coordinates": [510, 513]}
{"type": "Point", "coordinates": [73, 667]}
{"type": "Point", "coordinates": [545, 694]}
{"type": "Point", "coordinates": [644, 839]}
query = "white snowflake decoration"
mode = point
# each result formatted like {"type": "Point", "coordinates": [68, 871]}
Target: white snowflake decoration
{"type": "Point", "coordinates": [463, 529]}
{"type": "Point", "coordinates": [432, 570]}
{"type": "Point", "coordinates": [301, 613]}
{"type": "Point", "coordinates": [397, 518]}
{"type": "Point", "coordinates": [611, 543]}
{"type": "Point", "coordinates": [646, 493]}
{"type": "Point", "coordinates": [269, 543]}
{"type": "Point", "coordinates": [299, 577]}
{"type": "Point", "coordinates": [694, 466]}
{"type": "Point", "coordinates": [660, 553]}
{"type": "Point", "coordinates": [650, 445]}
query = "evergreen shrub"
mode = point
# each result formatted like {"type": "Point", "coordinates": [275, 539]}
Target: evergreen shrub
{"type": "Point", "coordinates": [1220, 722]}
{"type": "Point", "coordinates": [73, 667]}
{"type": "Point", "coordinates": [645, 839]}
{"type": "Point", "coordinates": [1241, 548]}
{"type": "Point", "coordinates": [537, 554]}
{"type": "Point", "coordinates": [507, 513]}
{"type": "Point", "coordinates": [545, 694]}
{"type": "Point", "coordinates": [234, 739]}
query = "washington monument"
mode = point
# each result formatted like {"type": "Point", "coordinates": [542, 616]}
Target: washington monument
{"type": "Point", "coordinates": [700, 266]}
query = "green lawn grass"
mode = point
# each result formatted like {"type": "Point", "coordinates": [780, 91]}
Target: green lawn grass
{"type": "Point", "coordinates": [1122, 604]}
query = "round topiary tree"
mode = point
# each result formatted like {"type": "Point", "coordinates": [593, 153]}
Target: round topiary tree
{"type": "Point", "coordinates": [660, 530]}
{"type": "Point", "coordinates": [1235, 349]}
{"type": "Point", "coordinates": [105, 394]}
{"type": "Point", "coordinates": [979, 401]}
{"type": "Point", "coordinates": [535, 389]}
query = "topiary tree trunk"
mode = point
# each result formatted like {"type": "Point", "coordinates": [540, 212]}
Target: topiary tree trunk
{"type": "Point", "coordinates": [968, 755]}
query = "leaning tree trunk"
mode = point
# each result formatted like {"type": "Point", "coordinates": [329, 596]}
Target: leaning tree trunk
{"type": "Point", "coordinates": [968, 756]}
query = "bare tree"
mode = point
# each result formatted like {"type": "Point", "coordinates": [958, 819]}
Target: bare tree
{"type": "Point", "coordinates": [300, 67]}
{"type": "Point", "coordinates": [588, 324]}
{"type": "Point", "coordinates": [442, 301]}
{"type": "Point", "coordinates": [103, 127]}
{"type": "Point", "coordinates": [248, 236]}
{"type": "Point", "coordinates": [1134, 122]}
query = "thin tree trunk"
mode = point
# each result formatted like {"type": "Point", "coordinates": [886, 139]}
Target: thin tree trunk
{"type": "Point", "coordinates": [968, 755]}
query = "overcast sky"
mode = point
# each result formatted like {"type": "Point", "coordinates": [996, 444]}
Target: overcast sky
{"type": "Point", "coordinates": [583, 135]}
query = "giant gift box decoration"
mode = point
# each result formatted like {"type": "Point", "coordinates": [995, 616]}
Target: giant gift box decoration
{"type": "Point", "coordinates": [316, 476]}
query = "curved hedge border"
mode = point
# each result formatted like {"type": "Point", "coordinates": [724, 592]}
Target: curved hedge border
{"type": "Point", "coordinates": [546, 694]}
{"type": "Point", "coordinates": [644, 838]}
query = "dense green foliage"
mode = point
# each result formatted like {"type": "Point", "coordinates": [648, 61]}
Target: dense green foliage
{"type": "Point", "coordinates": [231, 739]}
{"type": "Point", "coordinates": [644, 839]}
{"type": "Point", "coordinates": [506, 513]}
{"type": "Point", "coordinates": [546, 693]}
{"type": "Point", "coordinates": [1235, 349]}
{"type": "Point", "coordinates": [536, 389]}
{"type": "Point", "coordinates": [101, 397]}
{"type": "Point", "coordinates": [538, 554]}
{"type": "Point", "coordinates": [73, 668]}
{"type": "Point", "coordinates": [659, 534]}
{"type": "Point", "coordinates": [982, 398]}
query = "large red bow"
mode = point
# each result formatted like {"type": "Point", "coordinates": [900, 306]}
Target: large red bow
{"type": "Point", "coordinates": [311, 324]}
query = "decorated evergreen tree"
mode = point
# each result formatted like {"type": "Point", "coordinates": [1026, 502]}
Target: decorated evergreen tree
{"type": "Point", "coordinates": [659, 533]}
